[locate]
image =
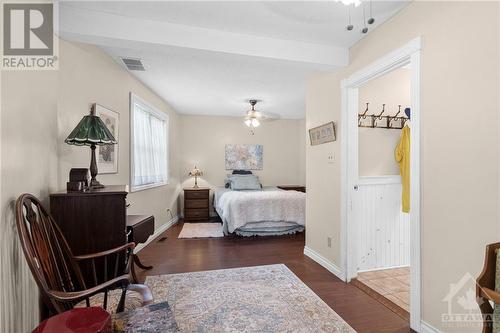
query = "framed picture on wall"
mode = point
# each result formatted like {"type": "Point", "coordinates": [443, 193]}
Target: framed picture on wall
{"type": "Point", "coordinates": [244, 157]}
{"type": "Point", "coordinates": [322, 134]}
{"type": "Point", "coordinates": [107, 156]}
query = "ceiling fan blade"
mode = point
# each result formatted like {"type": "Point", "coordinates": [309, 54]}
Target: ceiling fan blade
{"type": "Point", "coordinates": [259, 115]}
{"type": "Point", "coordinates": [269, 116]}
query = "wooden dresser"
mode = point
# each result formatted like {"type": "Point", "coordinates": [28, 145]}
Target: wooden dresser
{"type": "Point", "coordinates": [196, 204]}
{"type": "Point", "coordinates": [91, 221]}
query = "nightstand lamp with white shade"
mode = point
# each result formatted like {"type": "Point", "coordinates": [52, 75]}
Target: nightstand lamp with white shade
{"type": "Point", "coordinates": [196, 173]}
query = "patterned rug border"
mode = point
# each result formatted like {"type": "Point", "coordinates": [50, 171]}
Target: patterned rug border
{"type": "Point", "coordinates": [281, 266]}
{"type": "Point", "coordinates": [219, 270]}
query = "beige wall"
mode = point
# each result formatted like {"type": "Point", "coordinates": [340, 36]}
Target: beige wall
{"type": "Point", "coordinates": [303, 140]}
{"type": "Point", "coordinates": [39, 109]}
{"type": "Point", "coordinates": [203, 140]}
{"type": "Point", "coordinates": [88, 75]}
{"type": "Point", "coordinates": [376, 145]}
{"type": "Point", "coordinates": [459, 167]}
{"type": "Point", "coordinates": [29, 164]}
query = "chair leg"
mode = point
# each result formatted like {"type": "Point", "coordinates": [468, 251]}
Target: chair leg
{"type": "Point", "coordinates": [138, 262]}
{"type": "Point", "coordinates": [132, 272]}
{"type": "Point", "coordinates": [105, 303]}
{"type": "Point", "coordinates": [121, 303]}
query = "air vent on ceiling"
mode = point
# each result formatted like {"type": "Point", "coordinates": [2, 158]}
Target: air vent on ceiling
{"type": "Point", "coordinates": [133, 64]}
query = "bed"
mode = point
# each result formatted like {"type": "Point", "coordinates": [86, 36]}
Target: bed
{"type": "Point", "coordinates": [264, 212]}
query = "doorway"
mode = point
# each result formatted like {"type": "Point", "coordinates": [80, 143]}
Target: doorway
{"type": "Point", "coordinates": [408, 57]}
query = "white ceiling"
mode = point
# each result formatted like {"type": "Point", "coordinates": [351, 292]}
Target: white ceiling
{"type": "Point", "coordinates": [208, 83]}
{"type": "Point", "coordinates": [211, 57]}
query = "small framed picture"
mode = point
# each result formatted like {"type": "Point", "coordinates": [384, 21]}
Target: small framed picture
{"type": "Point", "coordinates": [322, 134]}
{"type": "Point", "coordinates": [107, 157]}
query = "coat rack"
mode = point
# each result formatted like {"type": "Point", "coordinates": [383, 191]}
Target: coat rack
{"type": "Point", "coordinates": [382, 121]}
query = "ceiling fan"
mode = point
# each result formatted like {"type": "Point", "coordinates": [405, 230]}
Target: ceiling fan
{"type": "Point", "coordinates": [254, 118]}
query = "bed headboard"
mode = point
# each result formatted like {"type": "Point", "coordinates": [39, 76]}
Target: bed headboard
{"type": "Point", "coordinates": [242, 172]}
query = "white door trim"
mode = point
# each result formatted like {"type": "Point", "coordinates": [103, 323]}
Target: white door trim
{"type": "Point", "coordinates": [407, 54]}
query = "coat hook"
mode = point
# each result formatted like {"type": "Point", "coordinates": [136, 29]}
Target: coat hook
{"type": "Point", "coordinates": [391, 122]}
{"type": "Point", "coordinates": [366, 110]}
{"type": "Point", "coordinates": [383, 110]}
{"type": "Point", "coordinates": [379, 117]}
{"type": "Point", "coordinates": [391, 119]}
{"type": "Point", "coordinates": [399, 111]}
{"type": "Point", "coordinates": [363, 115]}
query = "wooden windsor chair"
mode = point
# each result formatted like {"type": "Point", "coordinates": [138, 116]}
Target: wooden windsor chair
{"type": "Point", "coordinates": [57, 271]}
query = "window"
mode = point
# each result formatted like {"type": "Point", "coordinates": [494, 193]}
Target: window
{"type": "Point", "coordinates": [149, 145]}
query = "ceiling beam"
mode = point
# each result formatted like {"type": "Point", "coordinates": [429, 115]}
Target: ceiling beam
{"type": "Point", "coordinates": [106, 29]}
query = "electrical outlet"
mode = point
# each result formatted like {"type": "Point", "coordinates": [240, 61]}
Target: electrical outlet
{"type": "Point", "coordinates": [329, 241]}
{"type": "Point", "coordinates": [330, 159]}
{"type": "Point", "coordinates": [170, 212]}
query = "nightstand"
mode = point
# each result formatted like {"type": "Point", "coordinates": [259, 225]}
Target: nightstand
{"type": "Point", "coordinates": [293, 188]}
{"type": "Point", "coordinates": [196, 204]}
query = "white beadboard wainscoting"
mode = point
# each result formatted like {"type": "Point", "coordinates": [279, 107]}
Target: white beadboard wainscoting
{"type": "Point", "coordinates": [383, 230]}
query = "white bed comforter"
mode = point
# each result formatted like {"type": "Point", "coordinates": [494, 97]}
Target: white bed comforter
{"type": "Point", "coordinates": [241, 207]}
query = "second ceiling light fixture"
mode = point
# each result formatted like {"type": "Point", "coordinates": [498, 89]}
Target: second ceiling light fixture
{"type": "Point", "coordinates": [357, 3]}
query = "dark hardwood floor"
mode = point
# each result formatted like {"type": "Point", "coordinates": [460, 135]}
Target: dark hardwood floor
{"type": "Point", "coordinates": [174, 255]}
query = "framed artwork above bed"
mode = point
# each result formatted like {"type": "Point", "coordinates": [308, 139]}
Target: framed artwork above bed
{"type": "Point", "coordinates": [244, 157]}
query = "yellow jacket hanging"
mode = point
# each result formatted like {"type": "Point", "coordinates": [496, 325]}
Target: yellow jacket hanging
{"type": "Point", "coordinates": [402, 154]}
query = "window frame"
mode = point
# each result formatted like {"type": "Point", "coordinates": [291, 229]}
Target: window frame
{"type": "Point", "coordinates": [135, 99]}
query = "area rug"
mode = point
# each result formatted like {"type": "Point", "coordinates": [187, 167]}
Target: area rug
{"type": "Point", "coordinates": [251, 299]}
{"type": "Point", "coordinates": [153, 318]}
{"type": "Point", "coordinates": [201, 230]}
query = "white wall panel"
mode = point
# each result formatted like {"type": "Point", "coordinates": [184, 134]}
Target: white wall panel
{"type": "Point", "coordinates": [383, 231]}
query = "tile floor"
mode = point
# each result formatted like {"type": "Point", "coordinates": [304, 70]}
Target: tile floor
{"type": "Point", "coordinates": [393, 284]}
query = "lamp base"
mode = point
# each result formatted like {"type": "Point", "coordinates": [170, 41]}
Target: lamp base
{"type": "Point", "coordinates": [94, 183]}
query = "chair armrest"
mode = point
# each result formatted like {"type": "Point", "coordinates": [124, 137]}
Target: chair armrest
{"type": "Point", "coordinates": [490, 295]}
{"type": "Point", "coordinates": [130, 246]}
{"type": "Point", "coordinates": [80, 295]}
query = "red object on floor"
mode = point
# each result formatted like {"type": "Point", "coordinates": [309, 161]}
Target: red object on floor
{"type": "Point", "coordinates": [78, 320]}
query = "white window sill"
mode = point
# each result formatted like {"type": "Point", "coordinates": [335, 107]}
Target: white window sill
{"type": "Point", "coordinates": [146, 187]}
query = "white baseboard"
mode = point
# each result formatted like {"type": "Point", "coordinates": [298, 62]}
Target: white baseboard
{"type": "Point", "coordinates": [331, 267]}
{"type": "Point", "coordinates": [157, 233]}
{"type": "Point", "coordinates": [381, 268]}
{"type": "Point", "coordinates": [427, 328]}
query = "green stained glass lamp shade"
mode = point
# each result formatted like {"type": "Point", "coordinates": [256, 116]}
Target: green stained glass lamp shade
{"type": "Point", "coordinates": [91, 130]}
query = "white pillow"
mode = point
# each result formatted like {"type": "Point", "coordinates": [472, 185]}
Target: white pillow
{"type": "Point", "coordinates": [244, 182]}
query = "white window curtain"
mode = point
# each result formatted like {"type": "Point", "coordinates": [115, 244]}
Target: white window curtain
{"type": "Point", "coordinates": [149, 147]}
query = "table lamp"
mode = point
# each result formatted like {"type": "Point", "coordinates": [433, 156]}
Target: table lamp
{"type": "Point", "coordinates": [91, 131]}
{"type": "Point", "coordinates": [196, 173]}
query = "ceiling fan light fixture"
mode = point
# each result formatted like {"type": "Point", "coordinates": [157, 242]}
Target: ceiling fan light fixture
{"type": "Point", "coordinates": [253, 118]}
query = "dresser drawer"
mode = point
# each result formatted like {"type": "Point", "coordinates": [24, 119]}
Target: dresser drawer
{"type": "Point", "coordinates": [196, 203]}
{"type": "Point", "coordinates": [197, 194]}
{"type": "Point", "coordinates": [192, 214]}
